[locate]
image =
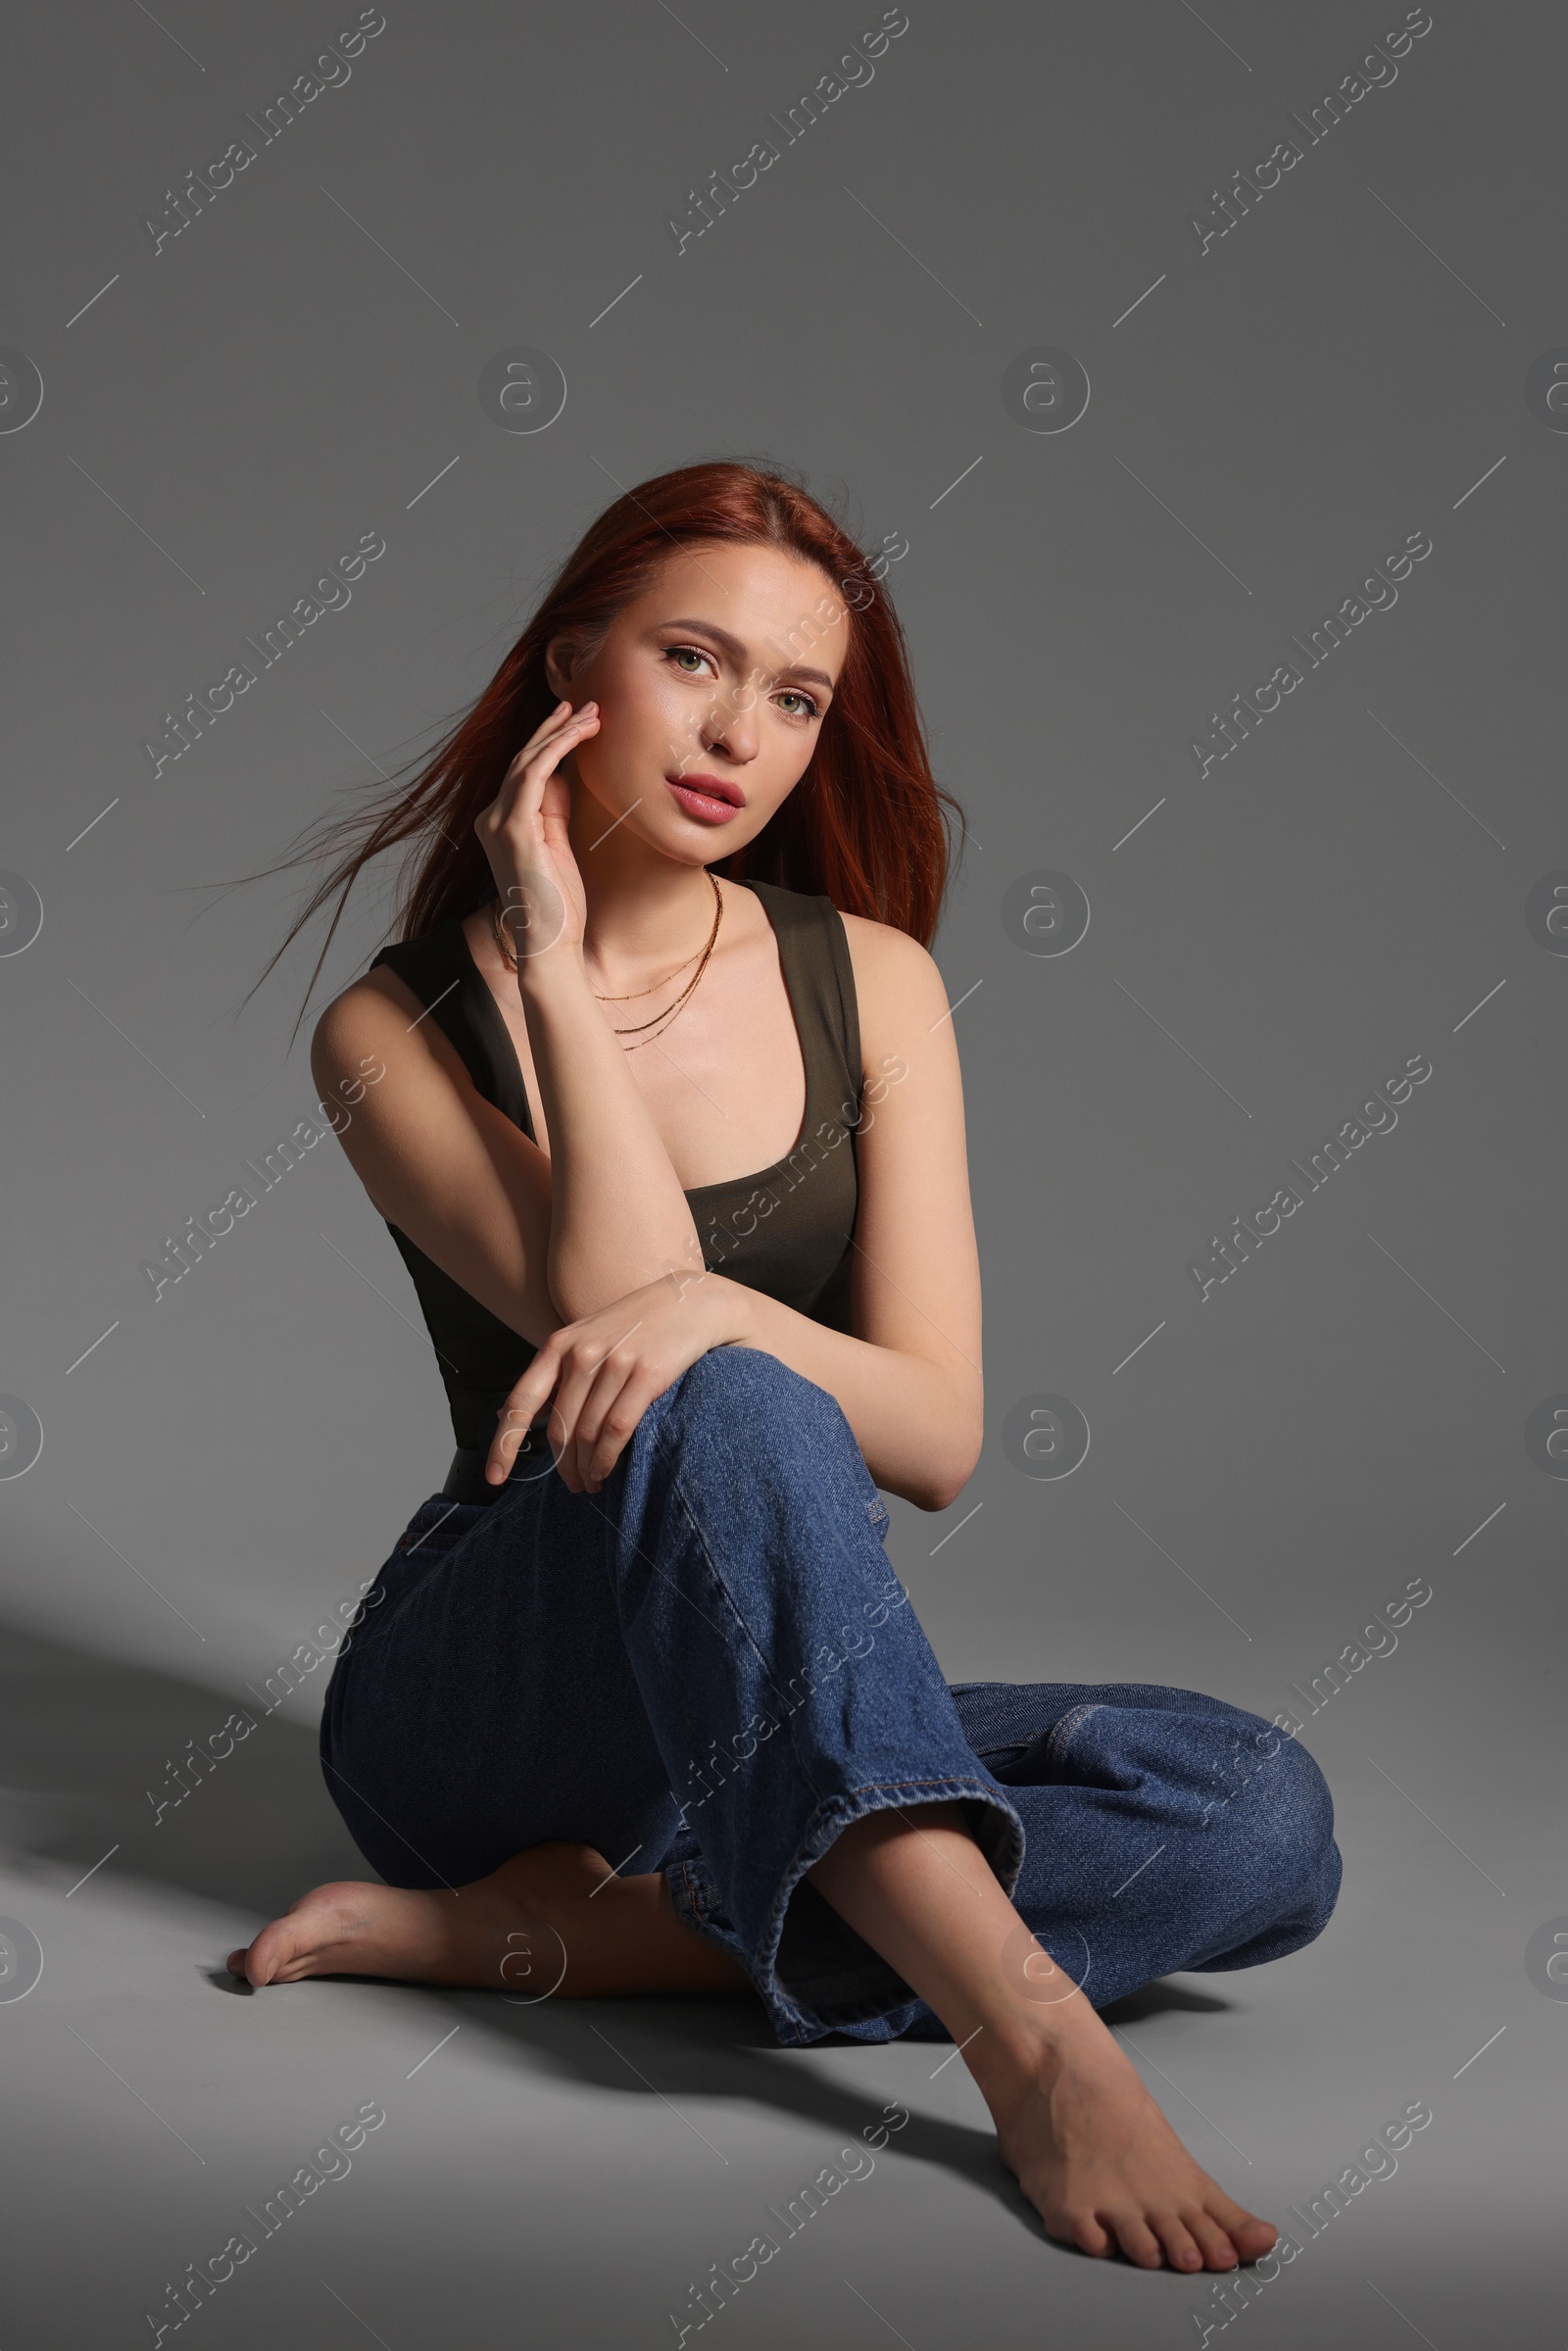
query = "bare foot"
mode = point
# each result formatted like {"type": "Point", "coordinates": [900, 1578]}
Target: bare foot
{"type": "Point", "coordinates": [1098, 2160]}
{"type": "Point", "coordinates": [539, 1924]}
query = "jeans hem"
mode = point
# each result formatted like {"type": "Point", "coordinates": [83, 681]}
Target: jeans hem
{"type": "Point", "coordinates": [698, 1901]}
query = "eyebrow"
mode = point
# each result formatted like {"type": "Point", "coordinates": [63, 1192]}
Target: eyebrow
{"type": "Point", "coordinates": [737, 651]}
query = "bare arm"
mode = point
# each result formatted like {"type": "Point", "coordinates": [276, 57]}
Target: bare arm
{"type": "Point", "coordinates": [618, 1216]}
{"type": "Point", "coordinates": [538, 1239]}
{"type": "Point", "coordinates": [437, 1160]}
{"type": "Point", "coordinates": [909, 1380]}
{"type": "Point", "coordinates": [559, 1246]}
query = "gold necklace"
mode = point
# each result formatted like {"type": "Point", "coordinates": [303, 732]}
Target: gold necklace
{"type": "Point", "coordinates": [661, 1019]}
{"type": "Point", "coordinates": [503, 942]}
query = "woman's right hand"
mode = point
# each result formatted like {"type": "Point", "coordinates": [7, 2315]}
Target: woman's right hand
{"type": "Point", "coordinates": [523, 833]}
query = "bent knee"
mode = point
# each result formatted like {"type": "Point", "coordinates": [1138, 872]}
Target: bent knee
{"type": "Point", "coordinates": [734, 1378]}
{"type": "Point", "coordinates": [740, 1413]}
{"type": "Point", "coordinates": [1303, 1804]}
{"type": "Point", "coordinates": [1274, 1793]}
{"type": "Point", "coordinates": [1260, 1781]}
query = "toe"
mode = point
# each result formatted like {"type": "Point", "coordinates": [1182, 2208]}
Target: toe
{"type": "Point", "coordinates": [1181, 2251]}
{"type": "Point", "coordinates": [1212, 2241]}
{"type": "Point", "coordinates": [1250, 2236]}
{"type": "Point", "coordinates": [1083, 2231]}
{"type": "Point", "coordinates": [1139, 2241]}
{"type": "Point", "coordinates": [260, 1963]}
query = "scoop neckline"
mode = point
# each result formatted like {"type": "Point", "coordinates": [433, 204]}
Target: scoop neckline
{"type": "Point", "coordinates": [698, 1191]}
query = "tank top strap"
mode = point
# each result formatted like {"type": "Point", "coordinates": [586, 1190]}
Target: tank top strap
{"type": "Point", "coordinates": [442, 973]}
{"type": "Point", "coordinates": [813, 952]}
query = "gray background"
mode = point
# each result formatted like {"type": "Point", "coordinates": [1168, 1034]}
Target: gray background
{"type": "Point", "coordinates": [1276, 414]}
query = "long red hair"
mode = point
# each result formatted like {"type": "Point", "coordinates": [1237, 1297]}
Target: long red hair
{"type": "Point", "coordinates": [868, 824]}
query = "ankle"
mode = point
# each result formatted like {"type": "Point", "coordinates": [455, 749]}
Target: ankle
{"type": "Point", "coordinates": [1027, 2049]}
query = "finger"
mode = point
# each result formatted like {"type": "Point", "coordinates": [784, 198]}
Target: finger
{"type": "Point", "coordinates": [538, 760]}
{"type": "Point", "coordinates": [619, 1363]}
{"type": "Point", "coordinates": [619, 1405]}
{"type": "Point", "coordinates": [561, 712]}
{"type": "Point", "coordinates": [604, 1423]}
{"type": "Point", "coordinates": [563, 1453]}
{"type": "Point", "coordinates": [623, 1419]}
{"type": "Point", "coordinates": [609, 1380]}
{"type": "Point", "coordinates": [551, 733]}
{"type": "Point", "coordinates": [522, 813]}
{"type": "Point", "coordinates": [527, 1400]}
{"type": "Point", "coordinates": [522, 1408]}
{"type": "Point", "coordinates": [506, 1447]}
{"type": "Point", "coordinates": [579, 1366]}
{"type": "Point", "coordinates": [531, 767]}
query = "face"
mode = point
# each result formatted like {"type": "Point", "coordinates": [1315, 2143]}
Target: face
{"type": "Point", "coordinates": [712, 687]}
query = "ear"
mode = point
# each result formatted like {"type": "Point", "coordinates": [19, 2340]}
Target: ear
{"type": "Point", "coordinates": [560, 664]}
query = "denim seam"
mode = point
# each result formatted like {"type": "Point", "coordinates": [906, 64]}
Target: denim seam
{"type": "Point", "coordinates": [701, 1539]}
{"type": "Point", "coordinates": [1065, 1730]}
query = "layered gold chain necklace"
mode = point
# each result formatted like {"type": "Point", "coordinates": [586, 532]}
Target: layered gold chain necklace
{"type": "Point", "coordinates": [660, 1020]}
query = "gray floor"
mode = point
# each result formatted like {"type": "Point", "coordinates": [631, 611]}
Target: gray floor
{"type": "Point", "coordinates": [1369, 356]}
{"type": "Point", "coordinates": [566, 2174]}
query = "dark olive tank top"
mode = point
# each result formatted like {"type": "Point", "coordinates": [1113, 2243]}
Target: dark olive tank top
{"type": "Point", "coordinates": [786, 1230]}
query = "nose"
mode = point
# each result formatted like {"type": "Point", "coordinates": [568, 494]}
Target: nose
{"type": "Point", "coordinates": [731, 725]}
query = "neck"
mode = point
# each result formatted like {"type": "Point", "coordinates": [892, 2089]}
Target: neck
{"type": "Point", "coordinates": [644, 911]}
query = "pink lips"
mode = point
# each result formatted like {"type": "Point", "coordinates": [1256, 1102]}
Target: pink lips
{"type": "Point", "coordinates": [710, 799]}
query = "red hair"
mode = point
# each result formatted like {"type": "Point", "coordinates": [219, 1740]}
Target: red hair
{"type": "Point", "coordinates": [867, 823]}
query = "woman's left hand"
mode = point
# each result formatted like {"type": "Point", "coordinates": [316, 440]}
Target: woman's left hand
{"type": "Point", "coordinates": [606, 1370]}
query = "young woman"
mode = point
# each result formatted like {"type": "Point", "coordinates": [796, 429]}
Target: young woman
{"type": "Point", "coordinates": [670, 1137]}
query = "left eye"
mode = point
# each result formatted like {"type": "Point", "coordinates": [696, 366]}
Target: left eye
{"type": "Point", "coordinates": [807, 708]}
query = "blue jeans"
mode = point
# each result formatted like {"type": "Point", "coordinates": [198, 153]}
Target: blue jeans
{"type": "Point", "coordinates": [709, 1669]}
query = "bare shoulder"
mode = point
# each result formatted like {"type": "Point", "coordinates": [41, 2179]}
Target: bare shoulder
{"type": "Point", "coordinates": [896, 980]}
{"type": "Point", "coordinates": [367, 1012]}
{"type": "Point", "coordinates": [373, 1015]}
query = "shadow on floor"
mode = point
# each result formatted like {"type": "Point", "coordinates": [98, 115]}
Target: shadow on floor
{"type": "Point", "coordinates": [87, 1750]}
{"type": "Point", "coordinates": [90, 1747]}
